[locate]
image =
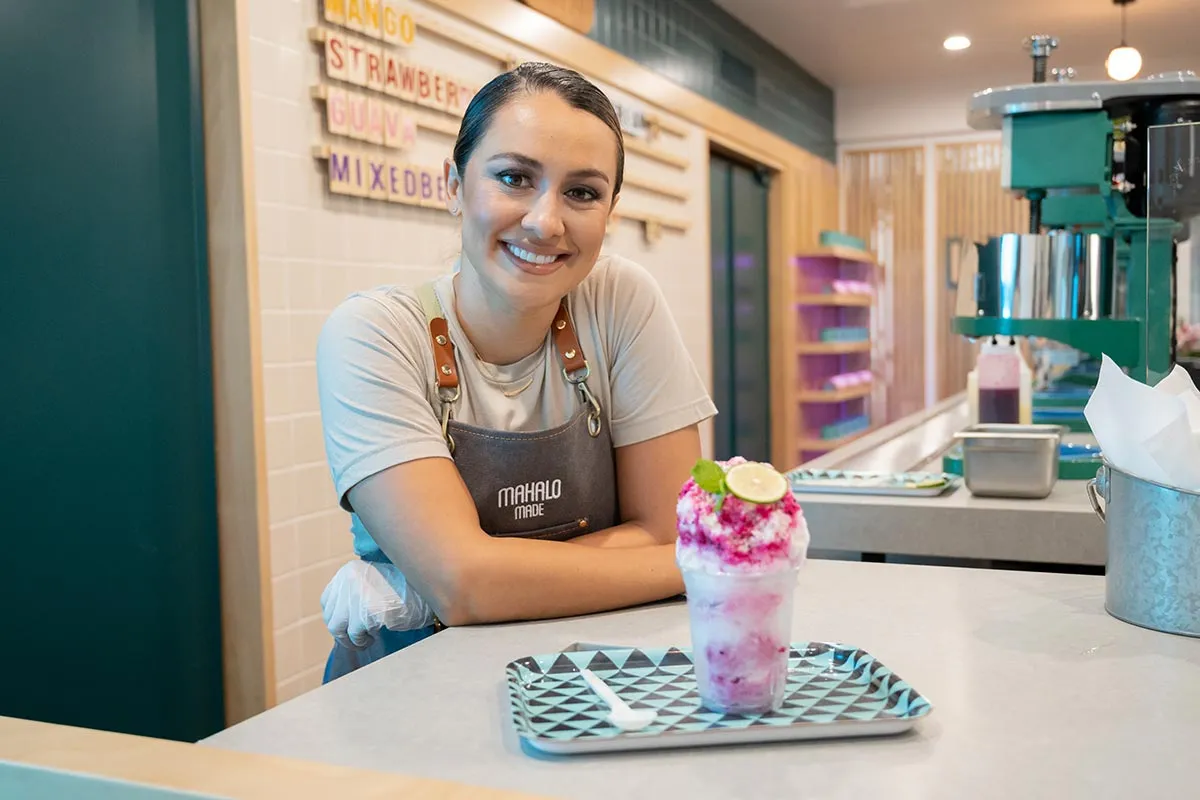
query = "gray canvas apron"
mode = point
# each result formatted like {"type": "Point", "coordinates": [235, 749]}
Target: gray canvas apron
{"type": "Point", "coordinates": [553, 484]}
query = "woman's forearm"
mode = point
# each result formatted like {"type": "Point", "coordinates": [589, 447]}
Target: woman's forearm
{"type": "Point", "coordinates": [421, 516]}
{"type": "Point", "coordinates": [522, 579]}
{"type": "Point", "coordinates": [629, 534]}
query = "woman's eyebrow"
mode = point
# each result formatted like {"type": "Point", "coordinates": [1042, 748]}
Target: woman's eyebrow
{"type": "Point", "coordinates": [534, 164]}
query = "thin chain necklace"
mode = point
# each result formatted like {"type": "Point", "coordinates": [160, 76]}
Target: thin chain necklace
{"type": "Point", "coordinates": [507, 392]}
{"type": "Point", "coordinates": [479, 358]}
{"type": "Point", "coordinates": [516, 392]}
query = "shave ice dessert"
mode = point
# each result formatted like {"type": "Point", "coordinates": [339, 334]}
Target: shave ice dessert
{"type": "Point", "coordinates": [742, 540]}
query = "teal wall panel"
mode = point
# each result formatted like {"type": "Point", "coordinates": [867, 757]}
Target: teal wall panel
{"type": "Point", "coordinates": [700, 46]}
{"type": "Point", "coordinates": [108, 533]}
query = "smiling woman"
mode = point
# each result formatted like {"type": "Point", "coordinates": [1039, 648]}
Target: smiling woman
{"type": "Point", "coordinates": [511, 438]}
{"type": "Point", "coordinates": [536, 174]}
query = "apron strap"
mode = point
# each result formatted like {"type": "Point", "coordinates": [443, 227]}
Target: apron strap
{"type": "Point", "coordinates": [566, 342]}
{"type": "Point", "coordinates": [445, 368]}
{"type": "Point", "coordinates": [575, 366]}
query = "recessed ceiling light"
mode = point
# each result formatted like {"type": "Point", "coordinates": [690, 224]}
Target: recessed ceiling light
{"type": "Point", "coordinates": [956, 43]}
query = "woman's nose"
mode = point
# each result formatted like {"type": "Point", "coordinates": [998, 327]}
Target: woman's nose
{"type": "Point", "coordinates": [544, 219]}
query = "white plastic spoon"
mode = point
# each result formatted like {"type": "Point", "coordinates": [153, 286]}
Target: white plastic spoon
{"type": "Point", "coordinates": [620, 714]}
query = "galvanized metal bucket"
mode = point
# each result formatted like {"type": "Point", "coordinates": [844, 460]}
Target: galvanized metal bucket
{"type": "Point", "coordinates": [1153, 575]}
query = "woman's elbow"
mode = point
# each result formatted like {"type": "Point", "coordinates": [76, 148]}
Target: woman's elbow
{"type": "Point", "coordinates": [662, 530]}
{"type": "Point", "coordinates": [456, 598]}
{"type": "Point", "coordinates": [457, 613]}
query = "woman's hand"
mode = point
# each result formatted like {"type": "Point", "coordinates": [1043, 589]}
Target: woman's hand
{"type": "Point", "coordinates": [364, 597]}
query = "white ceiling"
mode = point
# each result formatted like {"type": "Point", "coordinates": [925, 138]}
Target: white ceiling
{"type": "Point", "coordinates": [875, 43]}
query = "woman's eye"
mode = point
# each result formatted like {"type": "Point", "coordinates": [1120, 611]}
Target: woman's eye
{"type": "Point", "coordinates": [514, 180]}
{"type": "Point", "coordinates": [583, 194]}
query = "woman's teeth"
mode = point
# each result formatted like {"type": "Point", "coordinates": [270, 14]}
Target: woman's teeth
{"type": "Point", "coordinates": [532, 258]}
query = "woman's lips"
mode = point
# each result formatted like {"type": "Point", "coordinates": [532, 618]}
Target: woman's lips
{"type": "Point", "coordinates": [531, 262]}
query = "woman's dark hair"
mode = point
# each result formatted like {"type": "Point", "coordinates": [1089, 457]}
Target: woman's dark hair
{"type": "Point", "coordinates": [532, 77]}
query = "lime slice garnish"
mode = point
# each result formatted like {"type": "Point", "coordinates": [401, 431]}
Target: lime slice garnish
{"type": "Point", "coordinates": [756, 483]}
{"type": "Point", "coordinates": [928, 483]}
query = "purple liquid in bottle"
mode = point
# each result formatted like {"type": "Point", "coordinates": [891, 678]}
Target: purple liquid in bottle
{"type": "Point", "coordinates": [1000, 406]}
{"type": "Point", "coordinates": [999, 385]}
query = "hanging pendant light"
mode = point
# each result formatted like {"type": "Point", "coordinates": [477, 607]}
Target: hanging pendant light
{"type": "Point", "coordinates": [1124, 62]}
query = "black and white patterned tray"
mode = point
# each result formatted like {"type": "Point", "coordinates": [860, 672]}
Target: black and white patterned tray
{"type": "Point", "coordinates": [833, 691]}
{"type": "Point", "coordinates": [896, 484]}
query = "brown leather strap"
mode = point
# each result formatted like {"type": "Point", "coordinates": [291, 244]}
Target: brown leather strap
{"type": "Point", "coordinates": [446, 368]}
{"type": "Point", "coordinates": [566, 341]}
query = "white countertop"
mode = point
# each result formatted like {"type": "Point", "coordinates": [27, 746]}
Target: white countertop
{"type": "Point", "coordinates": [1060, 529]}
{"type": "Point", "coordinates": [1037, 692]}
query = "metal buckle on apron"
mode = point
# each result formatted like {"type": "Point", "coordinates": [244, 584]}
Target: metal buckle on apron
{"type": "Point", "coordinates": [448, 398]}
{"type": "Point", "coordinates": [579, 381]}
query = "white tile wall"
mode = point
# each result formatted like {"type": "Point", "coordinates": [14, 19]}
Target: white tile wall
{"type": "Point", "coordinates": [315, 248]}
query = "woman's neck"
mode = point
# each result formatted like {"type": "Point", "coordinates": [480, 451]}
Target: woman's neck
{"type": "Point", "coordinates": [499, 333]}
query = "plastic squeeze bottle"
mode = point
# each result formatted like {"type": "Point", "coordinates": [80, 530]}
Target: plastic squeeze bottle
{"type": "Point", "coordinates": [999, 369]}
{"type": "Point", "coordinates": [973, 394]}
{"type": "Point", "coordinates": [1026, 403]}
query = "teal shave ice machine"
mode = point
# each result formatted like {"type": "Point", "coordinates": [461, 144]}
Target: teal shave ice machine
{"type": "Point", "coordinates": [1095, 269]}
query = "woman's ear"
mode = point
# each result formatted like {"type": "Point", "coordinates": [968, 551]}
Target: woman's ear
{"type": "Point", "coordinates": [453, 187]}
{"type": "Point", "coordinates": [612, 209]}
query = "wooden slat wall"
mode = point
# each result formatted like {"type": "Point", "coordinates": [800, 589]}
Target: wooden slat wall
{"type": "Point", "coordinates": [972, 206]}
{"type": "Point", "coordinates": [885, 206]}
{"type": "Point", "coordinates": [804, 203]}
{"type": "Point", "coordinates": [818, 190]}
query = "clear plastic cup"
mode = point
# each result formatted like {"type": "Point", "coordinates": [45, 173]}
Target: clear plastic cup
{"type": "Point", "coordinates": [741, 634]}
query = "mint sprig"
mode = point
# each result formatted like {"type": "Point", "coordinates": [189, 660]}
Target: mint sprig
{"type": "Point", "coordinates": [709, 476]}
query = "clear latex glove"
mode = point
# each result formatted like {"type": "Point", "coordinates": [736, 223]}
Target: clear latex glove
{"type": "Point", "coordinates": [365, 596]}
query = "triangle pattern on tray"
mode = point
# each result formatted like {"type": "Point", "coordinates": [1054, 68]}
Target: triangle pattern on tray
{"type": "Point", "coordinates": [827, 684]}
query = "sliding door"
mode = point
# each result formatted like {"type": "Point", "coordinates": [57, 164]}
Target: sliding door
{"type": "Point", "coordinates": [740, 318]}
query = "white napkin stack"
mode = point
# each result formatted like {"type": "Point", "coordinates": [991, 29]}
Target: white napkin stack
{"type": "Point", "coordinates": [1152, 432]}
